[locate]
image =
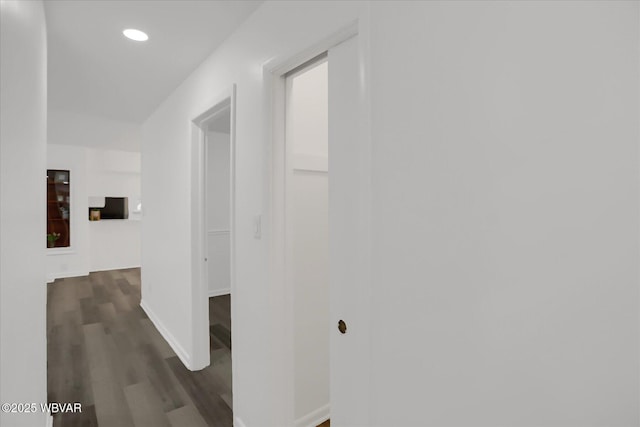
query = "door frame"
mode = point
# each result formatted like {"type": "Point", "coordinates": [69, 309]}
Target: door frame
{"type": "Point", "coordinates": [199, 283]}
{"type": "Point", "coordinates": [278, 159]}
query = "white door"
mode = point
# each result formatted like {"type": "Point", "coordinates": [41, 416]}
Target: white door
{"type": "Point", "coordinates": [349, 239]}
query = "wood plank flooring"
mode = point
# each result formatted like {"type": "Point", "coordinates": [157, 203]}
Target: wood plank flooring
{"type": "Point", "coordinates": [104, 352]}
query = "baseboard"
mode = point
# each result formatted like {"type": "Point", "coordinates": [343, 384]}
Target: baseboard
{"type": "Point", "coordinates": [168, 336]}
{"type": "Point", "coordinates": [314, 418]}
{"type": "Point", "coordinates": [237, 422]}
{"type": "Point", "coordinates": [120, 267]}
{"type": "Point", "coordinates": [63, 275]}
{"type": "Point", "coordinates": [49, 421]}
{"type": "Point", "coordinates": [115, 268]}
{"type": "Point", "coordinates": [218, 292]}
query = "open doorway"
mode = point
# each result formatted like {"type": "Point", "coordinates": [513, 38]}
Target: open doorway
{"type": "Point", "coordinates": [321, 223]}
{"type": "Point", "coordinates": [218, 248]}
{"type": "Point", "coordinates": [307, 230]}
{"type": "Point", "coordinates": [213, 251]}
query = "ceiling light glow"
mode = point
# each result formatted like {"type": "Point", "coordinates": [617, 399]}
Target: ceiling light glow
{"type": "Point", "coordinates": [136, 35]}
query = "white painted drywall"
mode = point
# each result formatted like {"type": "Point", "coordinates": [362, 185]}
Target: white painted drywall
{"type": "Point", "coordinates": [505, 209]}
{"type": "Point", "coordinates": [91, 131]}
{"type": "Point", "coordinates": [218, 204]}
{"type": "Point", "coordinates": [23, 130]}
{"type": "Point", "coordinates": [306, 137]}
{"type": "Point", "coordinates": [99, 245]}
{"type": "Point", "coordinates": [114, 243]}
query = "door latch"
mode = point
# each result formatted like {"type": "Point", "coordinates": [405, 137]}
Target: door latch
{"type": "Point", "coordinates": [342, 327]}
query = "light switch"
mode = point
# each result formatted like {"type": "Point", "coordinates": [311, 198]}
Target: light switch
{"type": "Point", "coordinates": [257, 227]}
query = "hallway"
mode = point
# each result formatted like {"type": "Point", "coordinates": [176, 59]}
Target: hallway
{"type": "Point", "coordinates": [483, 213]}
{"type": "Point", "coordinates": [104, 352]}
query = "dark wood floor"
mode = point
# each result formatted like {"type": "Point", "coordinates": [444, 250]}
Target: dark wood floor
{"type": "Point", "coordinates": [104, 352]}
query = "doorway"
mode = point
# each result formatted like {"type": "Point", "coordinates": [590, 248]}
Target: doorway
{"type": "Point", "coordinates": [307, 230]}
{"type": "Point", "coordinates": [218, 203]}
{"type": "Point", "coordinates": [218, 250]}
{"type": "Point", "coordinates": [214, 249]}
{"type": "Point", "coordinates": [348, 170]}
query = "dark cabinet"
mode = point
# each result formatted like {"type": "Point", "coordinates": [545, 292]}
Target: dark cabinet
{"type": "Point", "coordinates": [58, 208]}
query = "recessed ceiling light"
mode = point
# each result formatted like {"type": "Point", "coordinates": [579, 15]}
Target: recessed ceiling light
{"type": "Point", "coordinates": [136, 35]}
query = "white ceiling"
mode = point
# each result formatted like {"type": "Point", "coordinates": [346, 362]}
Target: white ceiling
{"type": "Point", "coordinates": [94, 71]}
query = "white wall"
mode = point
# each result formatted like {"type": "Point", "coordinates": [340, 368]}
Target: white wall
{"type": "Point", "coordinates": [218, 204]}
{"type": "Point", "coordinates": [23, 103]}
{"type": "Point", "coordinates": [99, 245]}
{"type": "Point", "coordinates": [505, 209]}
{"type": "Point", "coordinates": [114, 243]}
{"type": "Point", "coordinates": [307, 140]}
{"type": "Point", "coordinates": [505, 203]}
{"type": "Point", "coordinates": [92, 131]}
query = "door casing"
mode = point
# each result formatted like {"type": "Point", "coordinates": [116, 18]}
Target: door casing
{"type": "Point", "coordinates": [200, 289]}
{"type": "Point", "coordinates": [353, 406]}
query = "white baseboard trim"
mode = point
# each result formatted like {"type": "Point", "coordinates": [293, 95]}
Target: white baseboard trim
{"type": "Point", "coordinates": [237, 422]}
{"type": "Point", "coordinates": [120, 267]}
{"type": "Point", "coordinates": [313, 418]}
{"type": "Point", "coordinates": [64, 274]}
{"type": "Point", "coordinates": [218, 292]}
{"type": "Point", "coordinates": [168, 336]}
{"type": "Point", "coordinates": [49, 421]}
